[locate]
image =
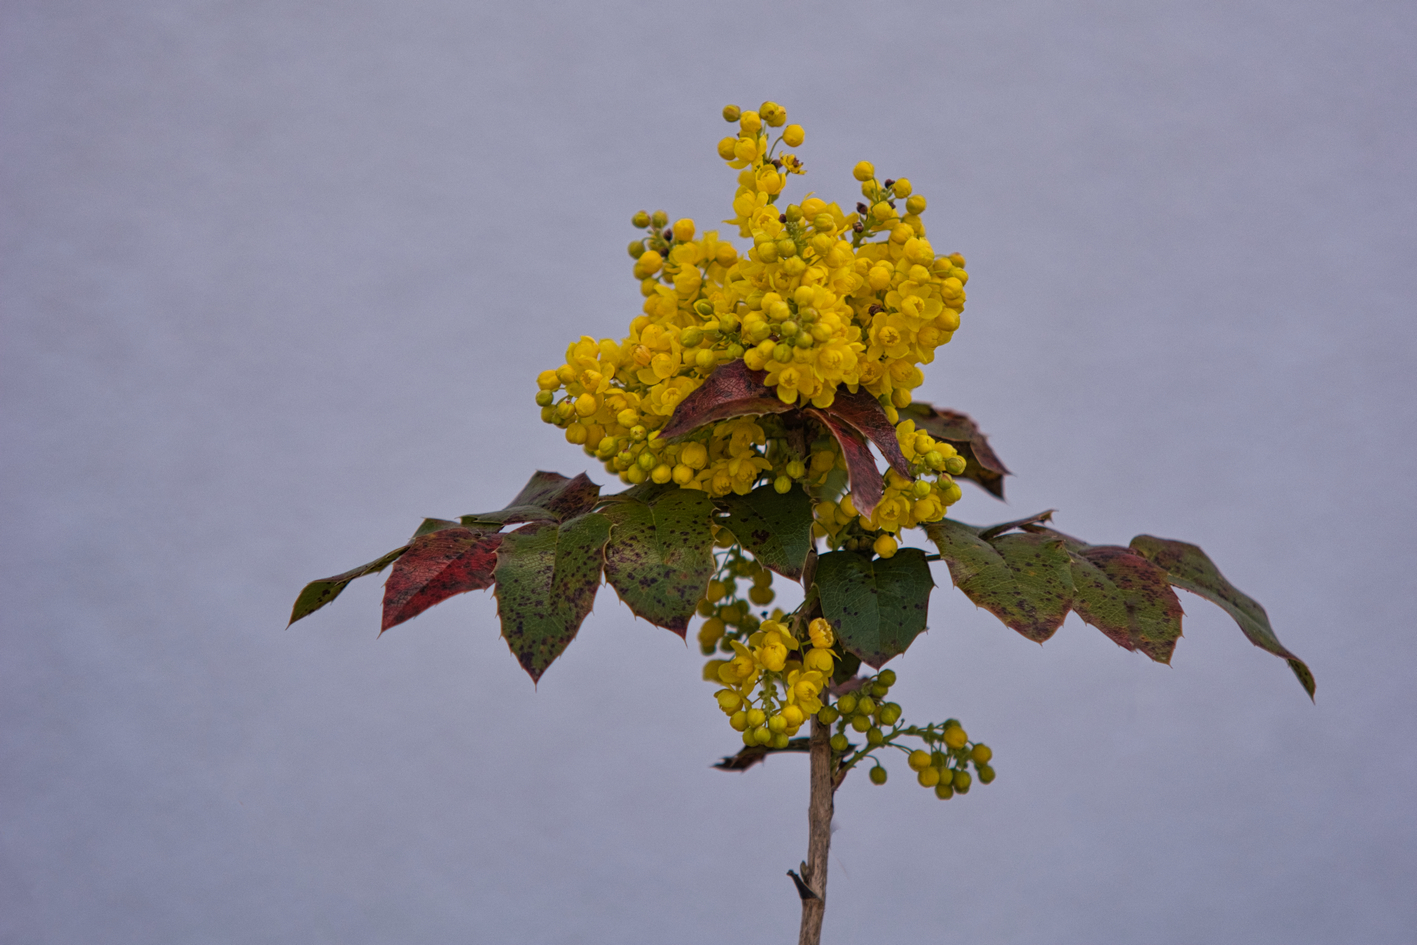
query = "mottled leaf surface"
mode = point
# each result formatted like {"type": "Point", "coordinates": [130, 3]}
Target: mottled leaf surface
{"type": "Point", "coordinates": [436, 566]}
{"type": "Point", "coordinates": [317, 594]}
{"type": "Point", "coordinates": [659, 558]}
{"type": "Point", "coordinates": [546, 579]}
{"type": "Point", "coordinates": [776, 529]}
{"type": "Point", "coordinates": [982, 465]}
{"type": "Point", "coordinates": [733, 390]}
{"type": "Point", "coordinates": [866, 415]}
{"type": "Point", "coordinates": [547, 497]}
{"type": "Point", "coordinates": [1153, 613]}
{"type": "Point", "coordinates": [876, 606]}
{"type": "Point", "coordinates": [867, 486]}
{"type": "Point", "coordinates": [1188, 567]}
{"type": "Point", "coordinates": [1023, 579]}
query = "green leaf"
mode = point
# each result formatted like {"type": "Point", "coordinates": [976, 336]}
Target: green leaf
{"type": "Point", "coordinates": [319, 593]}
{"type": "Point", "coordinates": [1023, 579]}
{"type": "Point", "coordinates": [1188, 567]}
{"type": "Point", "coordinates": [431, 525]}
{"type": "Point", "coordinates": [877, 607]}
{"type": "Point", "coordinates": [547, 497]}
{"type": "Point", "coordinates": [546, 578]}
{"type": "Point", "coordinates": [776, 529]}
{"type": "Point", "coordinates": [1126, 597]}
{"type": "Point", "coordinates": [659, 558]}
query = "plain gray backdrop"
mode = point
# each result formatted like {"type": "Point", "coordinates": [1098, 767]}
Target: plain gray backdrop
{"type": "Point", "coordinates": [278, 277]}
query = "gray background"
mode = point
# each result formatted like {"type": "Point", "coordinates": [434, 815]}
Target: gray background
{"type": "Point", "coordinates": [277, 278]}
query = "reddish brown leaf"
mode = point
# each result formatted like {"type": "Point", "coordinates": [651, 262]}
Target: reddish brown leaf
{"type": "Point", "coordinates": [731, 391]}
{"type": "Point", "coordinates": [867, 486]}
{"type": "Point", "coordinates": [435, 567]}
{"type": "Point", "coordinates": [1153, 608]}
{"type": "Point", "coordinates": [547, 497]}
{"type": "Point", "coordinates": [869, 419]}
{"type": "Point", "coordinates": [981, 464]}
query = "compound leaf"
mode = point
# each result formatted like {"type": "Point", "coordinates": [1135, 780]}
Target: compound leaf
{"type": "Point", "coordinates": [877, 607]}
{"type": "Point", "coordinates": [776, 529]}
{"type": "Point", "coordinates": [659, 558]}
{"type": "Point", "coordinates": [546, 578]}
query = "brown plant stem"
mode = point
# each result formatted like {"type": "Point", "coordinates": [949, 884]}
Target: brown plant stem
{"type": "Point", "coordinates": [819, 834]}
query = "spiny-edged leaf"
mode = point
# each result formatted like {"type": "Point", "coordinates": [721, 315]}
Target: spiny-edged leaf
{"type": "Point", "coordinates": [1109, 577]}
{"type": "Point", "coordinates": [776, 529]}
{"type": "Point", "coordinates": [436, 566]}
{"type": "Point", "coordinates": [867, 486]}
{"type": "Point", "coordinates": [866, 415]}
{"type": "Point", "coordinates": [546, 577]}
{"type": "Point", "coordinates": [733, 390]}
{"type": "Point", "coordinates": [547, 497]}
{"type": "Point", "coordinates": [659, 558]}
{"type": "Point", "coordinates": [1023, 579]}
{"type": "Point", "coordinates": [1188, 567]}
{"type": "Point", "coordinates": [431, 525]}
{"type": "Point", "coordinates": [319, 593]}
{"type": "Point", "coordinates": [981, 463]}
{"type": "Point", "coordinates": [877, 607]}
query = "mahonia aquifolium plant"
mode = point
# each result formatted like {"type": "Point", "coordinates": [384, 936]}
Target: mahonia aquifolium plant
{"type": "Point", "coordinates": [739, 412]}
{"type": "Point", "coordinates": [824, 300]}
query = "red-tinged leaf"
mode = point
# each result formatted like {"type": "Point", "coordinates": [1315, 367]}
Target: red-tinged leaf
{"type": "Point", "coordinates": [317, 594]}
{"type": "Point", "coordinates": [981, 464]}
{"type": "Point", "coordinates": [1188, 567]}
{"type": "Point", "coordinates": [731, 391]}
{"type": "Point", "coordinates": [547, 576]}
{"type": "Point", "coordinates": [775, 528]}
{"type": "Point", "coordinates": [660, 555]}
{"type": "Point", "coordinates": [867, 486]}
{"type": "Point", "coordinates": [435, 567]}
{"type": "Point", "coordinates": [866, 415]}
{"type": "Point", "coordinates": [1023, 579]}
{"type": "Point", "coordinates": [877, 606]}
{"type": "Point", "coordinates": [1105, 575]}
{"type": "Point", "coordinates": [547, 497]}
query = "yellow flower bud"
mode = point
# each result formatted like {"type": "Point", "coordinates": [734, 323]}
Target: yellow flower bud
{"type": "Point", "coordinates": [792, 136]}
{"type": "Point", "coordinates": [750, 122]}
{"type": "Point", "coordinates": [864, 171]}
{"type": "Point", "coordinates": [684, 230]}
{"type": "Point", "coordinates": [694, 455]}
{"type": "Point", "coordinates": [726, 148]}
{"type": "Point", "coordinates": [548, 380]}
{"type": "Point", "coordinates": [587, 404]}
{"type": "Point", "coordinates": [683, 475]}
{"type": "Point", "coordinates": [662, 473]}
{"type": "Point", "coordinates": [885, 546]}
{"type": "Point", "coordinates": [731, 113]}
{"type": "Point", "coordinates": [901, 188]}
{"type": "Point", "coordinates": [916, 204]}
{"type": "Point", "coordinates": [773, 113]}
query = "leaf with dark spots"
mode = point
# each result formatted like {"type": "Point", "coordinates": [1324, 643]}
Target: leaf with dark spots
{"type": "Point", "coordinates": [546, 578]}
{"type": "Point", "coordinates": [775, 529]}
{"type": "Point", "coordinates": [547, 497]}
{"type": "Point", "coordinates": [1105, 575]}
{"type": "Point", "coordinates": [431, 525]}
{"type": "Point", "coordinates": [660, 555]}
{"type": "Point", "coordinates": [981, 464]}
{"type": "Point", "coordinates": [867, 486]}
{"type": "Point", "coordinates": [866, 415]}
{"type": "Point", "coordinates": [317, 594]}
{"type": "Point", "coordinates": [733, 390]}
{"type": "Point", "coordinates": [1023, 579]}
{"type": "Point", "coordinates": [435, 567]}
{"type": "Point", "coordinates": [877, 607]}
{"type": "Point", "coordinates": [1188, 567]}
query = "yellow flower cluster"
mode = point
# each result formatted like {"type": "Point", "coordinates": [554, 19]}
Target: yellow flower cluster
{"type": "Point", "coordinates": [824, 298]}
{"type": "Point", "coordinates": [773, 683]}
